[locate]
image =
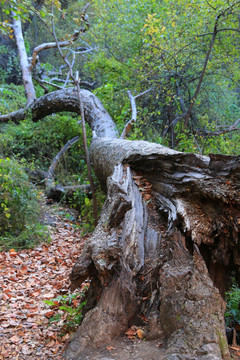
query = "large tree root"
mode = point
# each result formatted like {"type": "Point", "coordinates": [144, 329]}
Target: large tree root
{"type": "Point", "coordinates": [147, 264]}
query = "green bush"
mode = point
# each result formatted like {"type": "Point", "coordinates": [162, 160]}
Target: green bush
{"type": "Point", "coordinates": [232, 314]}
{"type": "Point", "coordinates": [38, 143]}
{"type": "Point", "coordinates": [19, 208]}
{"type": "Point", "coordinates": [69, 310]}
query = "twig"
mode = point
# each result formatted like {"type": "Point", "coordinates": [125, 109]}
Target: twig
{"type": "Point", "coordinates": [87, 152]}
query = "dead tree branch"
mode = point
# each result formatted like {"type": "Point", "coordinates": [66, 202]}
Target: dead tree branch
{"type": "Point", "coordinates": [76, 82]}
{"type": "Point", "coordinates": [59, 156]}
{"type": "Point", "coordinates": [231, 128]}
{"type": "Point", "coordinates": [133, 120]}
{"type": "Point", "coordinates": [51, 45]}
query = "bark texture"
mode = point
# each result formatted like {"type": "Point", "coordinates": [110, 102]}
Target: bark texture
{"type": "Point", "coordinates": [168, 234]}
{"type": "Point", "coordinates": [25, 66]}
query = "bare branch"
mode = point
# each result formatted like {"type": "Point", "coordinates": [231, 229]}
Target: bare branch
{"type": "Point", "coordinates": [219, 132]}
{"type": "Point", "coordinates": [192, 102]}
{"type": "Point", "coordinates": [51, 45]}
{"type": "Point", "coordinates": [41, 83]}
{"type": "Point", "coordinates": [76, 82]}
{"type": "Point", "coordinates": [56, 160]}
{"type": "Point", "coordinates": [143, 93]}
{"type": "Point", "coordinates": [88, 163]}
{"type": "Point", "coordinates": [173, 123]}
{"type": "Point", "coordinates": [211, 6]}
{"type": "Point", "coordinates": [131, 122]}
{"type": "Point", "coordinates": [83, 83]}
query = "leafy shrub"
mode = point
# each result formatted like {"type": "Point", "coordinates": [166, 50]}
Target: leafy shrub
{"type": "Point", "coordinates": [19, 208]}
{"type": "Point", "coordinates": [232, 314]}
{"type": "Point", "coordinates": [12, 98]}
{"type": "Point", "coordinates": [38, 143]}
{"type": "Point", "coordinates": [10, 70]}
{"type": "Point", "coordinates": [69, 310]}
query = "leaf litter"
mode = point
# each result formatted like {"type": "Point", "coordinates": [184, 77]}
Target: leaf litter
{"type": "Point", "coordinates": [27, 278]}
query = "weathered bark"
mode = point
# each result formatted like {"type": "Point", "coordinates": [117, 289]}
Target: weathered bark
{"type": "Point", "coordinates": [67, 100]}
{"type": "Point", "coordinates": [165, 243]}
{"type": "Point", "coordinates": [25, 66]}
{"type": "Point", "coordinates": [164, 251]}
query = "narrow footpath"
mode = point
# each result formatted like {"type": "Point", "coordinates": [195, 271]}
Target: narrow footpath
{"type": "Point", "coordinates": [27, 278]}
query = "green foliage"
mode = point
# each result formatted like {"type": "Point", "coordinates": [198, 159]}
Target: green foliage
{"type": "Point", "coordinates": [166, 52]}
{"type": "Point", "coordinates": [232, 314]}
{"type": "Point", "coordinates": [225, 143]}
{"type": "Point", "coordinates": [11, 71]}
{"type": "Point", "coordinates": [83, 203]}
{"type": "Point", "coordinates": [19, 208]}
{"type": "Point", "coordinates": [12, 98]}
{"type": "Point", "coordinates": [39, 142]}
{"type": "Point", "coordinates": [69, 308]}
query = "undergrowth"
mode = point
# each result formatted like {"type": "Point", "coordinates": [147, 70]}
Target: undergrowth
{"type": "Point", "coordinates": [19, 208]}
{"type": "Point", "coordinates": [68, 310]}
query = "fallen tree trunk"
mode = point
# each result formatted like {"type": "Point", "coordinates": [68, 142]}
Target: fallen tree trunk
{"type": "Point", "coordinates": [167, 240]}
{"type": "Point", "coordinates": [67, 100]}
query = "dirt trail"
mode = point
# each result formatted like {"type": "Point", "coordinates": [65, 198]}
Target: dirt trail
{"type": "Point", "coordinates": [127, 350]}
{"type": "Point", "coordinates": [27, 278]}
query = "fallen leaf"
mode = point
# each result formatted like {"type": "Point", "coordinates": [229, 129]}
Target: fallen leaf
{"type": "Point", "coordinates": [14, 339]}
{"type": "Point", "coordinates": [27, 278]}
{"type": "Point", "coordinates": [141, 333]}
{"type": "Point", "coordinates": [12, 251]}
{"type": "Point", "coordinates": [49, 314]}
{"type": "Point", "coordinates": [109, 348]}
{"type": "Point", "coordinates": [131, 332]}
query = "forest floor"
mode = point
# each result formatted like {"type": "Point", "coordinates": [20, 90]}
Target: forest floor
{"type": "Point", "coordinates": [30, 277]}
{"type": "Point", "coordinates": [27, 279]}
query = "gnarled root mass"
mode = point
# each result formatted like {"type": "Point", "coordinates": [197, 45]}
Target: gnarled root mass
{"type": "Point", "coordinates": [169, 223]}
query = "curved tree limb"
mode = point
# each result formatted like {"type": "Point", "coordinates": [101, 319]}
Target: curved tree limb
{"type": "Point", "coordinates": [131, 122]}
{"type": "Point", "coordinates": [67, 100]}
{"type": "Point", "coordinates": [58, 157]}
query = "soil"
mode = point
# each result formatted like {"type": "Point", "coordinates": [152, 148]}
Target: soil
{"type": "Point", "coordinates": [128, 350]}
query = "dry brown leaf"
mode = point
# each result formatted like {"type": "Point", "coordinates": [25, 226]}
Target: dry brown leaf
{"type": "Point", "coordinates": [131, 332]}
{"type": "Point", "coordinates": [109, 348]}
{"type": "Point", "coordinates": [14, 339]}
{"type": "Point", "coordinates": [141, 334]}
{"type": "Point", "coordinates": [25, 281]}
